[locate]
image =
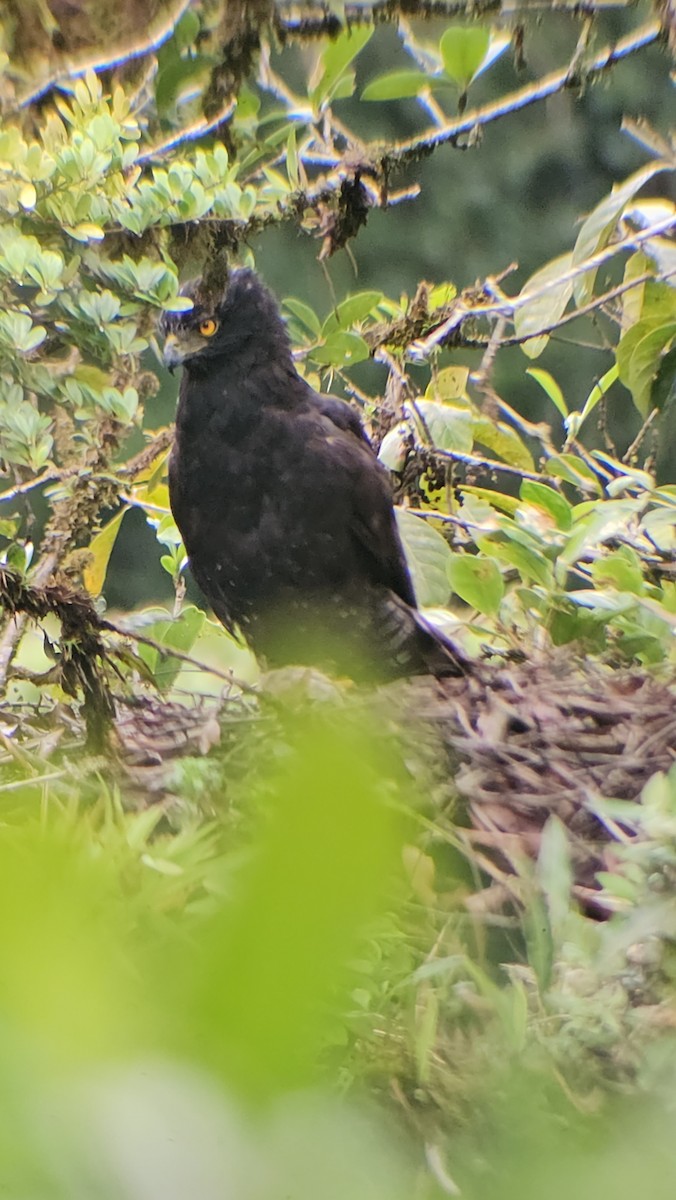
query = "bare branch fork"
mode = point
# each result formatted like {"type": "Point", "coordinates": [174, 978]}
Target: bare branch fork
{"type": "Point", "coordinates": [508, 306]}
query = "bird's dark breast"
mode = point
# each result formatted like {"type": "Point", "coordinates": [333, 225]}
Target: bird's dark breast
{"type": "Point", "coordinates": [264, 507]}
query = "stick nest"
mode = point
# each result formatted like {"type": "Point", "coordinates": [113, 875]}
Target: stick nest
{"type": "Point", "coordinates": [513, 745]}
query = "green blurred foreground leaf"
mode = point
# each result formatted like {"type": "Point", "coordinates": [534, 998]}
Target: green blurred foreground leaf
{"type": "Point", "coordinates": [271, 962]}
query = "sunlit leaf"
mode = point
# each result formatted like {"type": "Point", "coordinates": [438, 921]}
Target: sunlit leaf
{"type": "Point", "coordinates": [550, 387]}
{"type": "Point", "coordinates": [550, 500]}
{"type": "Point", "coordinates": [597, 393]}
{"type": "Point", "coordinates": [304, 314]}
{"type": "Point", "coordinates": [341, 349]}
{"type": "Point", "coordinates": [600, 523]}
{"type": "Point", "coordinates": [174, 633]}
{"type": "Point", "coordinates": [621, 569]}
{"type": "Point", "coordinates": [393, 450]}
{"type": "Point", "coordinates": [448, 426]}
{"type": "Point", "coordinates": [336, 59]}
{"type": "Point", "coordinates": [449, 384]}
{"type": "Point", "coordinates": [504, 442]}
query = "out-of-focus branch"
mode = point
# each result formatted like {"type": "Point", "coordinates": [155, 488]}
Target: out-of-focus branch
{"type": "Point", "coordinates": [158, 33]}
{"type": "Point", "coordinates": [371, 167]}
{"type": "Point", "coordinates": [305, 22]}
{"type": "Point", "coordinates": [542, 89]}
{"type": "Point", "coordinates": [506, 306]}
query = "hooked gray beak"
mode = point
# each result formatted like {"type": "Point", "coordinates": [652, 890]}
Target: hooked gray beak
{"type": "Point", "coordinates": [172, 353]}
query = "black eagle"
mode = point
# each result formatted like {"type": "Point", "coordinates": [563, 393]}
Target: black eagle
{"type": "Point", "coordinates": [285, 512]}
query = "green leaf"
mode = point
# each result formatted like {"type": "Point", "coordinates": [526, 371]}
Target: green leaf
{"type": "Point", "coordinates": [341, 350]}
{"type": "Point", "coordinates": [187, 29]}
{"type": "Point", "coordinates": [602, 222]}
{"type": "Point", "coordinates": [599, 523]}
{"type": "Point", "coordinates": [639, 354]}
{"type": "Point", "coordinates": [660, 526]}
{"type": "Point", "coordinates": [621, 569]}
{"type": "Point", "coordinates": [604, 601]}
{"type": "Point", "coordinates": [351, 310]}
{"type": "Point", "coordinates": [596, 394]}
{"type": "Point", "coordinates": [546, 309]}
{"type": "Point", "coordinates": [304, 314]}
{"type": "Point", "coordinates": [550, 387]}
{"type": "Point", "coordinates": [573, 470]}
{"type": "Point", "coordinates": [336, 59]}
{"type": "Point", "coordinates": [529, 562]}
{"type": "Point", "coordinates": [463, 49]}
{"type": "Point", "coordinates": [177, 633]}
{"type": "Point", "coordinates": [178, 78]}
{"type": "Point", "coordinates": [450, 426]}
{"type": "Point", "coordinates": [547, 498]}
{"type": "Point", "coordinates": [476, 497]}
{"type": "Point", "coordinates": [397, 85]}
{"type": "Point", "coordinates": [177, 304]}
{"type": "Point", "coordinates": [478, 581]}
{"type": "Point", "coordinates": [427, 554]}
{"type": "Point", "coordinates": [504, 442]}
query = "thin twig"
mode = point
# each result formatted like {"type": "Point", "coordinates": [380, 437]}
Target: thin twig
{"type": "Point", "coordinates": [490, 464]}
{"type": "Point", "coordinates": [508, 305]}
{"type": "Point", "coordinates": [189, 133]}
{"type": "Point", "coordinates": [145, 457]}
{"type": "Point", "coordinates": [169, 652]}
{"type": "Point", "coordinates": [22, 488]}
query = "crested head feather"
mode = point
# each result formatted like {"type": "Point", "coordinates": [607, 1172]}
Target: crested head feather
{"type": "Point", "coordinates": [250, 332]}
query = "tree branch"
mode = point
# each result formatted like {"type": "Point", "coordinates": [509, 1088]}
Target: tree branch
{"type": "Point", "coordinates": [506, 306]}
{"type": "Point", "coordinates": [549, 85]}
{"type": "Point", "coordinates": [308, 23]}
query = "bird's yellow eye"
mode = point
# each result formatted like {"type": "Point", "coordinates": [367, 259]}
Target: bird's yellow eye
{"type": "Point", "coordinates": [208, 327]}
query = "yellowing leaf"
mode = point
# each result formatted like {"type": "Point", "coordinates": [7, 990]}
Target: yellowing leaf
{"type": "Point", "coordinates": [101, 547]}
{"type": "Point", "coordinates": [504, 442]}
{"type": "Point", "coordinates": [449, 384]}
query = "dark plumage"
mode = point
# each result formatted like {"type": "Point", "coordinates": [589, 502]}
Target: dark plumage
{"type": "Point", "coordinates": [284, 510]}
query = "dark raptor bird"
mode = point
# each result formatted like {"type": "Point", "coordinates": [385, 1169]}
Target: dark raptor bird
{"type": "Point", "coordinates": [285, 512]}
